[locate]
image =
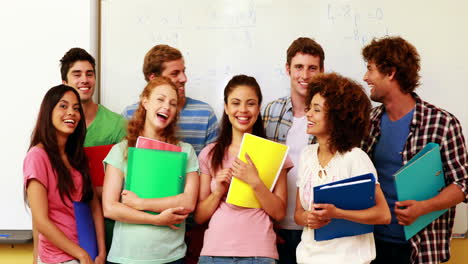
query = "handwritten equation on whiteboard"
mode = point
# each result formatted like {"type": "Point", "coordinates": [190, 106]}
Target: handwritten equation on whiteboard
{"type": "Point", "coordinates": [232, 21]}
{"type": "Point", "coordinates": [357, 23]}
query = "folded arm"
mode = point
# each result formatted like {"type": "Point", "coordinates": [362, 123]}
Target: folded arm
{"type": "Point", "coordinates": [408, 211]}
{"type": "Point", "coordinates": [118, 211]}
{"type": "Point", "coordinates": [376, 215]}
{"type": "Point", "coordinates": [306, 217]}
{"type": "Point", "coordinates": [187, 199]}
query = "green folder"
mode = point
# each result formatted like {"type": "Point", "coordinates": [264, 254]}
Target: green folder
{"type": "Point", "coordinates": [155, 173]}
{"type": "Point", "coordinates": [420, 179]}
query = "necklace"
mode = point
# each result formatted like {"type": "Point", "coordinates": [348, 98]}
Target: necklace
{"type": "Point", "coordinates": [324, 159]}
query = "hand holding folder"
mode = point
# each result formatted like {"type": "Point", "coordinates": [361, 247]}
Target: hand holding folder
{"type": "Point", "coordinates": [268, 157]}
{"type": "Point", "coordinates": [355, 193]}
{"type": "Point", "coordinates": [420, 179]}
{"type": "Point", "coordinates": [155, 173]}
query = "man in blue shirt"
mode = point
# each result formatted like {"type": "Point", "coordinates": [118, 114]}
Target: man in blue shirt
{"type": "Point", "coordinates": [197, 122]}
{"type": "Point", "coordinates": [400, 127]}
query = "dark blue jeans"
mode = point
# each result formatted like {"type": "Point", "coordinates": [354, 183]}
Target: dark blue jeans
{"type": "Point", "coordinates": [287, 251]}
{"type": "Point", "coordinates": [236, 260]}
{"type": "Point", "coordinates": [390, 253]}
{"type": "Point", "coordinates": [179, 261]}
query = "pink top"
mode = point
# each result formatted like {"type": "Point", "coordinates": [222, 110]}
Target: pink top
{"type": "Point", "coordinates": [37, 166]}
{"type": "Point", "coordinates": [235, 231]}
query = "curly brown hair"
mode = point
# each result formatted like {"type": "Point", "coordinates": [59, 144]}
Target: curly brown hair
{"type": "Point", "coordinates": [155, 58]}
{"type": "Point", "coordinates": [137, 122]}
{"type": "Point", "coordinates": [395, 54]}
{"type": "Point", "coordinates": [306, 46]}
{"type": "Point", "coordinates": [347, 109]}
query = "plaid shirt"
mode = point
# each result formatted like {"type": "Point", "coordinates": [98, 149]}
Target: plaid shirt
{"type": "Point", "coordinates": [431, 124]}
{"type": "Point", "coordinates": [278, 118]}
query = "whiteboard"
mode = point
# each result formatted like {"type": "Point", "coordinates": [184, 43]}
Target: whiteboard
{"type": "Point", "coordinates": [221, 38]}
{"type": "Point", "coordinates": [35, 35]}
{"type": "Point", "coordinates": [218, 39]}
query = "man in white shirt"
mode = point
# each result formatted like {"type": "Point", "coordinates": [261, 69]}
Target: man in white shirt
{"type": "Point", "coordinates": [285, 121]}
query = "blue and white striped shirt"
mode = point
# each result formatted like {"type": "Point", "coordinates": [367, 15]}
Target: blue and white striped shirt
{"type": "Point", "coordinates": [197, 124]}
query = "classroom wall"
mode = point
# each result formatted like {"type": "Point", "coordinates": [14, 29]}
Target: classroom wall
{"type": "Point", "coordinates": [36, 34]}
{"type": "Point", "coordinates": [220, 38]}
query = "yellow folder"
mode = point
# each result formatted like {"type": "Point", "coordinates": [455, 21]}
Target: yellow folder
{"type": "Point", "coordinates": [268, 157]}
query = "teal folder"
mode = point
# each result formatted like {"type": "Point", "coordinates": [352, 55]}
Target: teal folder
{"type": "Point", "coordinates": [155, 173]}
{"type": "Point", "coordinates": [421, 178]}
{"type": "Point", "coordinates": [355, 193]}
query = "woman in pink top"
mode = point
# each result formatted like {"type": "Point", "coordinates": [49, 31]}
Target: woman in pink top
{"type": "Point", "coordinates": [237, 234]}
{"type": "Point", "coordinates": [56, 174]}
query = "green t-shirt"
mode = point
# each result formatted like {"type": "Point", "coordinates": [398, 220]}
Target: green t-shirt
{"type": "Point", "coordinates": [106, 128]}
{"type": "Point", "coordinates": [146, 244]}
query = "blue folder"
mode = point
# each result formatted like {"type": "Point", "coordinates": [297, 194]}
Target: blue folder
{"type": "Point", "coordinates": [355, 193]}
{"type": "Point", "coordinates": [421, 178]}
{"type": "Point", "coordinates": [85, 228]}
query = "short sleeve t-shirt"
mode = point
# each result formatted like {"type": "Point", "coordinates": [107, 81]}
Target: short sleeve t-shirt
{"type": "Point", "coordinates": [107, 128]}
{"type": "Point", "coordinates": [296, 139]}
{"type": "Point", "coordinates": [37, 166]}
{"type": "Point", "coordinates": [237, 231]}
{"type": "Point", "coordinates": [146, 244]}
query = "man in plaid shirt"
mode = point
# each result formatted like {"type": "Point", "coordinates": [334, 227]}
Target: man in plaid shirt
{"type": "Point", "coordinates": [285, 122]}
{"type": "Point", "coordinates": [400, 128]}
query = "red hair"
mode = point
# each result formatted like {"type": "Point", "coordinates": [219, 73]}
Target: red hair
{"type": "Point", "coordinates": [137, 122]}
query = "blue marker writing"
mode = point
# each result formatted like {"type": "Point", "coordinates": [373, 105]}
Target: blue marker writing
{"type": "Point", "coordinates": [4, 235]}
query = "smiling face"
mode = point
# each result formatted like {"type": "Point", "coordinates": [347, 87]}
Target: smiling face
{"type": "Point", "coordinates": [81, 76]}
{"type": "Point", "coordinates": [66, 114]}
{"type": "Point", "coordinates": [317, 123]}
{"type": "Point", "coordinates": [161, 108]}
{"type": "Point", "coordinates": [175, 71]}
{"type": "Point", "coordinates": [242, 108]}
{"type": "Point", "coordinates": [301, 70]}
{"type": "Point", "coordinates": [378, 83]}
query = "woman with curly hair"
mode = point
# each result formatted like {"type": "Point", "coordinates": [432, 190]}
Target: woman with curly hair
{"type": "Point", "coordinates": [338, 117]}
{"type": "Point", "coordinates": [140, 237]}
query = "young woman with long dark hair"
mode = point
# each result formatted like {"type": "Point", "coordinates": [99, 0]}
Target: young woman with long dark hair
{"type": "Point", "coordinates": [56, 174]}
{"type": "Point", "coordinates": [238, 234]}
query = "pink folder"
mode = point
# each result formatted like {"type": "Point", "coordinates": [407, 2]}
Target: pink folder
{"type": "Point", "coordinates": [149, 143]}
